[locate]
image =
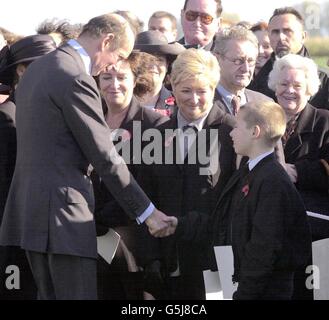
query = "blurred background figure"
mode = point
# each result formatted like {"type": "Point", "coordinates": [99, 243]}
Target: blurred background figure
{"type": "Point", "coordinates": [9, 36]}
{"type": "Point", "coordinates": [200, 22]}
{"type": "Point", "coordinates": [3, 41]}
{"type": "Point", "coordinates": [14, 60]}
{"type": "Point", "coordinates": [136, 24]}
{"type": "Point", "coordinates": [244, 24]}
{"type": "Point", "coordinates": [260, 30]}
{"type": "Point", "coordinates": [164, 22]}
{"type": "Point", "coordinates": [60, 30]}
{"type": "Point", "coordinates": [156, 44]}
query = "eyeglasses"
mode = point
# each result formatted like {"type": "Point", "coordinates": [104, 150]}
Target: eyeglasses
{"type": "Point", "coordinates": [193, 15]}
{"type": "Point", "coordinates": [240, 61]}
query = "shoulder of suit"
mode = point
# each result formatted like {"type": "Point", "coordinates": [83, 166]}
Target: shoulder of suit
{"type": "Point", "coordinates": [319, 113]}
{"type": "Point", "coordinates": [254, 95]}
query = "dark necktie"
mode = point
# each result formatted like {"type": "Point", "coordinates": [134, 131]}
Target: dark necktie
{"type": "Point", "coordinates": [235, 103]}
{"type": "Point", "coordinates": [189, 130]}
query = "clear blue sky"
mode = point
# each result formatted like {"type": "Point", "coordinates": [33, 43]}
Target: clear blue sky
{"type": "Point", "coordinates": [23, 16]}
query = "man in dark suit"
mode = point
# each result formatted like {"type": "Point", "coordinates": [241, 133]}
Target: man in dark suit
{"type": "Point", "coordinates": [60, 131]}
{"type": "Point", "coordinates": [200, 21]}
{"type": "Point", "coordinates": [287, 35]}
{"type": "Point", "coordinates": [236, 51]}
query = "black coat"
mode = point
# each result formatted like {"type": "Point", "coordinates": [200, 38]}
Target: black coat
{"type": "Point", "coordinates": [104, 200]}
{"type": "Point", "coordinates": [305, 148]}
{"type": "Point", "coordinates": [266, 224]}
{"type": "Point", "coordinates": [260, 83]}
{"type": "Point", "coordinates": [180, 190]}
{"type": "Point", "coordinates": [7, 149]}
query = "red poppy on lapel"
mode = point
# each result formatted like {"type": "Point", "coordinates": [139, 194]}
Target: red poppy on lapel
{"type": "Point", "coordinates": [245, 190]}
{"type": "Point", "coordinates": [170, 101]}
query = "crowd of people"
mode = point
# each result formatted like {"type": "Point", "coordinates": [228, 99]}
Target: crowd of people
{"type": "Point", "coordinates": [179, 145]}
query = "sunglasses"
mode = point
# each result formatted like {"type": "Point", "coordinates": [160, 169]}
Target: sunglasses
{"type": "Point", "coordinates": [193, 15]}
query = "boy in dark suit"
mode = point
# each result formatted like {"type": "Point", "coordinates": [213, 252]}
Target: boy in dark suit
{"type": "Point", "coordinates": [259, 212]}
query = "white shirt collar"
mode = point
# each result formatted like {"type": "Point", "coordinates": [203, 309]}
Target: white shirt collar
{"type": "Point", "coordinates": [82, 53]}
{"type": "Point", "coordinates": [181, 121]}
{"type": "Point", "coordinates": [253, 163]}
{"type": "Point", "coordinates": [228, 96]}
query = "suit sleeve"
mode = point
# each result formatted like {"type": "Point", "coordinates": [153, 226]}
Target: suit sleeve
{"type": "Point", "coordinates": [83, 114]}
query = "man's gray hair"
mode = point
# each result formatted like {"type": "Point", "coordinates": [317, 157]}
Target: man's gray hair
{"type": "Point", "coordinates": [235, 33]}
{"type": "Point", "coordinates": [107, 23]}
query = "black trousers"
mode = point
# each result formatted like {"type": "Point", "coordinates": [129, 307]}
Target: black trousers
{"type": "Point", "coordinates": [63, 277]}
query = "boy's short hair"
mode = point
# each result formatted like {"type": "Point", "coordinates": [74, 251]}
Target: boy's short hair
{"type": "Point", "coordinates": [269, 115]}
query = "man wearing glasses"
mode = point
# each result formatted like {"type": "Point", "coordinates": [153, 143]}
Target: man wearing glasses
{"type": "Point", "coordinates": [200, 22]}
{"type": "Point", "coordinates": [236, 50]}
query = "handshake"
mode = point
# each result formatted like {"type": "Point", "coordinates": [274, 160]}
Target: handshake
{"type": "Point", "coordinates": [161, 225]}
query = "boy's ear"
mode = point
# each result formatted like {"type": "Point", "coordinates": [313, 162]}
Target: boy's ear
{"type": "Point", "coordinates": [256, 131]}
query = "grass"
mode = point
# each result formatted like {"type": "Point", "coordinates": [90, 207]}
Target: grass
{"type": "Point", "coordinates": [318, 48]}
{"type": "Point", "coordinates": [321, 62]}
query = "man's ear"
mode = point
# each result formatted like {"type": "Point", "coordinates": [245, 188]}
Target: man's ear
{"type": "Point", "coordinates": [107, 41]}
{"type": "Point", "coordinates": [256, 131]}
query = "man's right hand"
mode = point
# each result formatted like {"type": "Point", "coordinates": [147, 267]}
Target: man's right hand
{"type": "Point", "coordinates": [160, 225]}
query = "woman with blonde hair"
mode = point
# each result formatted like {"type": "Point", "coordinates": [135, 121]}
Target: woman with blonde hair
{"type": "Point", "coordinates": [187, 187]}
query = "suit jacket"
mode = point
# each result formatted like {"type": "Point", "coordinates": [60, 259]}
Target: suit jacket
{"type": "Point", "coordinates": [61, 130]}
{"type": "Point", "coordinates": [250, 95]}
{"type": "Point", "coordinates": [180, 190]}
{"type": "Point", "coordinates": [305, 148]}
{"type": "Point", "coordinates": [260, 83]}
{"type": "Point", "coordinates": [263, 217]}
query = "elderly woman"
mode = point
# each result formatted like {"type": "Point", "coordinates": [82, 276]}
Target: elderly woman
{"type": "Point", "coordinates": [260, 30]}
{"type": "Point", "coordinates": [306, 144]}
{"type": "Point", "coordinates": [155, 43]}
{"type": "Point", "coordinates": [186, 186]}
{"type": "Point", "coordinates": [14, 59]}
{"type": "Point", "coordinates": [119, 87]}
{"type": "Point", "coordinates": [306, 141]}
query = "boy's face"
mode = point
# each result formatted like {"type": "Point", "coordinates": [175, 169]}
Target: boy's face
{"type": "Point", "coordinates": [241, 135]}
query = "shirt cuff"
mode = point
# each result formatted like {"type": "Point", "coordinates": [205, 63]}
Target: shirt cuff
{"type": "Point", "coordinates": [149, 210]}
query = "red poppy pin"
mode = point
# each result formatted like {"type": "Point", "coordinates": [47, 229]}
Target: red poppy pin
{"type": "Point", "coordinates": [170, 101]}
{"type": "Point", "coordinates": [245, 190]}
